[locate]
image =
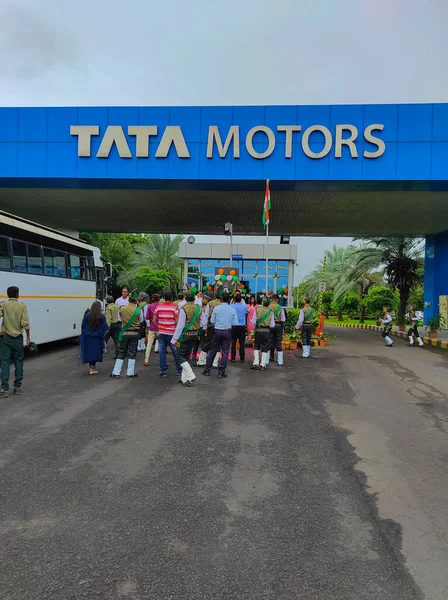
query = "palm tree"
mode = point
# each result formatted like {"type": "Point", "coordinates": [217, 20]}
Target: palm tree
{"type": "Point", "coordinates": [399, 258]}
{"type": "Point", "coordinates": [159, 251]}
{"type": "Point", "coordinates": [339, 263]}
{"type": "Point", "coordinates": [357, 281]}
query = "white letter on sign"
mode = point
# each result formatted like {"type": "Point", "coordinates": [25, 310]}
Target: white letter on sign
{"type": "Point", "coordinates": [374, 140]}
{"type": "Point", "coordinates": [84, 133]}
{"type": "Point", "coordinates": [350, 141]}
{"type": "Point", "coordinates": [306, 137]}
{"type": "Point", "coordinates": [114, 135]}
{"type": "Point", "coordinates": [213, 135]}
{"type": "Point", "coordinates": [289, 129]}
{"type": "Point", "coordinates": [172, 135]}
{"type": "Point", "coordinates": [271, 142]}
{"type": "Point", "coordinates": [142, 133]}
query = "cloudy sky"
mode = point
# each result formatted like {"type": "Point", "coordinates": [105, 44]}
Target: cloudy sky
{"type": "Point", "coordinates": [200, 52]}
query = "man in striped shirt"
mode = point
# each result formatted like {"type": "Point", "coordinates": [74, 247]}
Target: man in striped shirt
{"type": "Point", "coordinates": [165, 321]}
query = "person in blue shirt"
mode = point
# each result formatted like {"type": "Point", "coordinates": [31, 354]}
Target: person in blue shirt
{"type": "Point", "coordinates": [224, 317]}
{"type": "Point", "coordinates": [239, 331]}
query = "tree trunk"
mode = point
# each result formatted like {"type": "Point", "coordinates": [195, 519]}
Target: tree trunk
{"type": "Point", "coordinates": [404, 297]}
{"type": "Point", "coordinates": [362, 314]}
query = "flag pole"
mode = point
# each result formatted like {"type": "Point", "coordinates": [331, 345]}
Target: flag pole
{"type": "Point", "coordinates": [267, 260]}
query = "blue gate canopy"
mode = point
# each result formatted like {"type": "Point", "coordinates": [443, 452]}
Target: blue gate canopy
{"type": "Point", "coordinates": [334, 169]}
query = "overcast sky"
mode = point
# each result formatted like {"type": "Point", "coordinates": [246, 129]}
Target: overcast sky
{"type": "Point", "coordinates": [200, 52]}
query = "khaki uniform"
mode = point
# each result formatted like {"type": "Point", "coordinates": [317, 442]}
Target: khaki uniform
{"type": "Point", "coordinates": [277, 331]}
{"type": "Point", "coordinates": [307, 328]}
{"type": "Point", "coordinates": [188, 340]}
{"type": "Point", "coordinates": [263, 332]}
{"type": "Point", "coordinates": [15, 321]}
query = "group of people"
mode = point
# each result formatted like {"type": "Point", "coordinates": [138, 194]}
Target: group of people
{"type": "Point", "coordinates": [413, 317]}
{"type": "Point", "coordinates": [214, 325]}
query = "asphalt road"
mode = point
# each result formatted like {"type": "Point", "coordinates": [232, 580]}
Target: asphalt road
{"type": "Point", "coordinates": [324, 480]}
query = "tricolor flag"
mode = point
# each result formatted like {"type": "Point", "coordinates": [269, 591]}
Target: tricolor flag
{"type": "Point", "coordinates": [267, 205]}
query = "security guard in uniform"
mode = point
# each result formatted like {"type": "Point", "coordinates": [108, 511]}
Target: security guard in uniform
{"type": "Point", "coordinates": [186, 335]}
{"type": "Point", "coordinates": [207, 337]}
{"type": "Point", "coordinates": [263, 320]}
{"type": "Point", "coordinates": [277, 332]}
{"type": "Point", "coordinates": [128, 338]}
{"type": "Point", "coordinates": [15, 320]}
{"type": "Point", "coordinates": [305, 323]}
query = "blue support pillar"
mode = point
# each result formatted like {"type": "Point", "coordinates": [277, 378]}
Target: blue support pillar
{"type": "Point", "coordinates": [436, 271]}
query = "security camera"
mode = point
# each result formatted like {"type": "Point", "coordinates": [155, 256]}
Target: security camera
{"type": "Point", "coordinates": [191, 240]}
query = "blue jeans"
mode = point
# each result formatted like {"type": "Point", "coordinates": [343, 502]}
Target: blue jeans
{"type": "Point", "coordinates": [164, 341]}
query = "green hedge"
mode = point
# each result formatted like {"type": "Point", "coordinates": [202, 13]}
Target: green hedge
{"type": "Point", "coordinates": [292, 316]}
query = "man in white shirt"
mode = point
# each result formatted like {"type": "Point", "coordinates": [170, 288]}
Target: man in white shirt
{"type": "Point", "coordinates": [123, 300]}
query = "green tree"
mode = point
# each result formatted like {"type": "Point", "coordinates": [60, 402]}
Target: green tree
{"type": "Point", "coordinates": [327, 299]}
{"type": "Point", "coordinates": [149, 280]}
{"type": "Point", "coordinates": [160, 252]}
{"type": "Point", "coordinates": [116, 248]}
{"type": "Point", "coordinates": [340, 264]}
{"type": "Point", "coordinates": [378, 297]}
{"type": "Point", "coordinates": [348, 303]}
{"type": "Point", "coordinates": [399, 258]}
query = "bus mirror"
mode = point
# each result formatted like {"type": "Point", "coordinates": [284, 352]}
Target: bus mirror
{"type": "Point", "coordinates": [108, 270]}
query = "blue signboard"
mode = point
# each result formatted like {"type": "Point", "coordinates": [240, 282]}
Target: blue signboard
{"type": "Point", "coordinates": [283, 143]}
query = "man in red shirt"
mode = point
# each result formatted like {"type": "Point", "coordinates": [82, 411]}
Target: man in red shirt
{"type": "Point", "coordinates": [165, 321]}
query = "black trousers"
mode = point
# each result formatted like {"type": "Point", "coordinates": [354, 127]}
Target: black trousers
{"type": "Point", "coordinates": [276, 340]}
{"type": "Point", "coordinates": [386, 331]}
{"type": "Point", "coordinates": [238, 334]}
{"type": "Point", "coordinates": [114, 332]}
{"type": "Point", "coordinates": [207, 339]}
{"type": "Point", "coordinates": [307, 332]}
{"type": "Point", "coordinates": [128, 346]}
{"type": "Point", "coordinates": [187, 345]}
{"type": "Point", "coordinates": [263, 339]}
{"type": "Point", "coordinates": [195, 346]}
{"type": "Point", "coordinates": [142, 331]}
{"type": "Point", "coordinates": [414, 331]}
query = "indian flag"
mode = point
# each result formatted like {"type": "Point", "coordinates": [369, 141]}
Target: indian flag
{"type": "Point", "coordinates": [267, 205]}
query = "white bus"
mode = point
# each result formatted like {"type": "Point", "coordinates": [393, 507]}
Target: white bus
{"type": "Point", "coordinates": [58, 276]}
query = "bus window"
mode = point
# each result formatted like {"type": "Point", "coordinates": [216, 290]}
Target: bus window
{"type": "Point", "coordinates": [75, 266]}
{"type": "Point", "coordinates": [19, 256]}
{"type": "Point", "coordinates": [90, 268]}
{"type": "Point", "coordinates": [5, 258]}
{"type": "Point", "coordinates": [34, 259]}
{"type": "Point", "coordinates": [60, 269]}
{"type": "Point", "coordinates": [100, 285]}
{"type": "Point", "coordinates": [54, 262]}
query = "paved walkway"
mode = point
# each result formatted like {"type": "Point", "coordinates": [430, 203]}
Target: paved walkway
{"type": "Point", "coordinates": [441, 341]}
{"type": "Point", "coordinates": [324, 480]}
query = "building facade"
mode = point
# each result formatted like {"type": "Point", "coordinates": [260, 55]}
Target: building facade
{"type": "Point", "coordinates": [202, 261]}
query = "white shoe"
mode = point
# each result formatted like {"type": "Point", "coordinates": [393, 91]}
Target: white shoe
{"type": "Point", "coordinates": [188, 375]}
{"type": "Point", "coordinates": [420, 342]}
{"type": "Point", "coordinates": [256, 363]}
{"type": "Point", "coordinates": [131, 368]}
{"type": "Point", "coordinates": [280, 358]}
{"type": "Point", "coordinates": [202, 359]}
{"type": "Point", "coordinates": [117, 367]}
{"type": "Point", "coordinates": [411, 340]}
{"type": "Point", "coordinates": [264, 360]}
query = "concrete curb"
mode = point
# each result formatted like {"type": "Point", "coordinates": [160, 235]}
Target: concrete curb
{"type": "Point", "coordinates": [401, 334]}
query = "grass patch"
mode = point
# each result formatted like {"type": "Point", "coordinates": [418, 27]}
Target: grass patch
{"type": "Point", "coordinates": [330, 320]}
